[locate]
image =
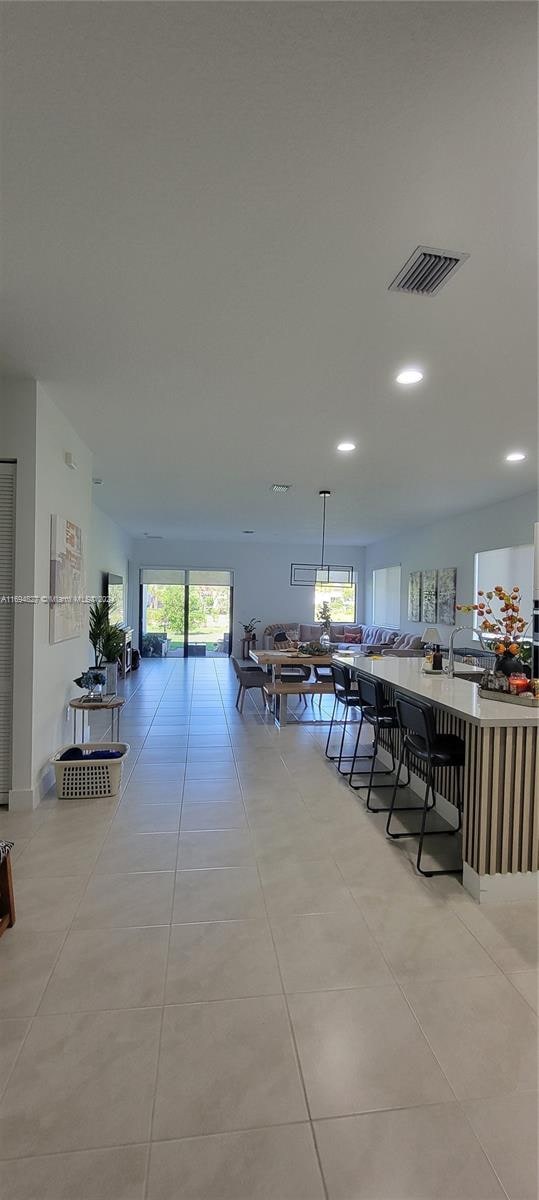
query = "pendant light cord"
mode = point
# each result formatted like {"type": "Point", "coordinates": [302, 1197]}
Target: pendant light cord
{"type": "Point", "coordinates": [324, 497]}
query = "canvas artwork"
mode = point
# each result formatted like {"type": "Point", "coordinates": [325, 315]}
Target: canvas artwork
{"type": "Point", "coordinates": [414, 596]}
{"type": "Point", "coordinates": [447, 595]}
{"type": "Point", "coordinates": [66, 580]}
{"type": "Point", "coordinates": [428, 599]}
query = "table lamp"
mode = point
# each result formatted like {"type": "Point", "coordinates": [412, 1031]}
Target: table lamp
{"type": "Point", "coordinates": [431, 637]}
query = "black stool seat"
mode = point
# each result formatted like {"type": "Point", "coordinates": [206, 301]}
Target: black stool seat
{"type": "Point", "coordinates": [445, 750]}
{"type": "Point", "coordinates": [419, 738]}
{"type": "Point", "coordinates": [386, 717]}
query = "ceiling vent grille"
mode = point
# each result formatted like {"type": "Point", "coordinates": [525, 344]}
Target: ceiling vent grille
{"type": "Point", "coordinates": [427, 270]}
{"type": "Point", "coordinates": [281, 487]}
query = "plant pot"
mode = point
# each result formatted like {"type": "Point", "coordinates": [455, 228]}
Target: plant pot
{"type": "Point", "coordinates": [111, 672]}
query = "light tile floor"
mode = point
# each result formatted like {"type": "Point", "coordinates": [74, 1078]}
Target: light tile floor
{"type": "Point", "coordinates": [227, 985]}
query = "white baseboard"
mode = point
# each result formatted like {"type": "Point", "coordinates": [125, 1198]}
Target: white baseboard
{"type": "Point", "coordinates": [23, 799]}
{"type": "Point", "coordinates": [500, 889]}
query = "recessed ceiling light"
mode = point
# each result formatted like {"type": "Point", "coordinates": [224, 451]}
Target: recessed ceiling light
{"type": "Point", "coordinates": [515, 456]}
{"type": "Point", "coordinates": [281, 487]}
{"type": "Point", "coordinates": [97, 482]}
{"type": "Point", "coordinates": [346, 447]}
{"type": "Point", "coordinates": [247, 531]}
{"type": "Point", "coordinates": [156, 536]}
{"type": "Point", "coordinates": [409, 375]}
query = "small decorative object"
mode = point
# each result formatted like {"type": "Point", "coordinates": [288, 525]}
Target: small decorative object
{"type": "Point", "coordinates": [93, 681]}
{"type": "Point", "coordinates": [518, 684]}
{"type": "Point", "coordinates": [249, 627]}
{"type": "Point", "coordinates": [414, 596]}
{"type": "Point", "coordinates": [428, 596]}
{"type": "Point", "coordinates": [447, 595]}
{"type": "Point", "coordinates": [324, 616]}
{"type": "Point", "coordinates": [312, 649]}
{"type": "Point", "coordinates": [505, 626]}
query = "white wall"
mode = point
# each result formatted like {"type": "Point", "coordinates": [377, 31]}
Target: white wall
{"type": "Point", "coordinates": [68, 493]}
{"type": "Point", "coordinates": [452, 543]}
{"type": "Point", "coordinates": [36, 434]}
{"type": "Point", "coordinates": [18, 407]}
{"type": "Point", "coordinates": [261, 574]}
{"type": "Point", "coordinates": [110, 551]}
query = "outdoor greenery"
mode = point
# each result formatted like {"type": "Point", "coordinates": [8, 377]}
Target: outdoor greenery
{"type": "Point", "coordinates": [341, 600]}
{"type": "Point", "coordinates": [208, 612]}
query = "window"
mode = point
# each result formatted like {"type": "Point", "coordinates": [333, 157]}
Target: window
{"type": "Point", "coordinates": [341, 599]}
{"type": "Point", "coordinates": [513, 564]}
{"type": "Point", "coordinates": [386, 597]}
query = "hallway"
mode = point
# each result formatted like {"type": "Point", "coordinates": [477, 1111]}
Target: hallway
{"type": "Point", "coordinates": [229, 986]}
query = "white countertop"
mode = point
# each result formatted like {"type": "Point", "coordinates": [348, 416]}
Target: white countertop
{"type": "Point", "coordinates": [456, 695]}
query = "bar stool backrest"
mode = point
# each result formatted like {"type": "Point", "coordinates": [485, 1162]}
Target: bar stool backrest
{"type": "Point", "coordinates": [416, 717]}
{"type": "Point", "coordinates": [371, 693]}
{"type": "Point", "coordinates": [236, 666]}
{"type": "Point", "coordinates": [342, 680]}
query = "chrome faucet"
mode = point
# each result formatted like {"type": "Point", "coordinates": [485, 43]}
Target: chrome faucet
{"type": "Point", "coordinates": [450, 668]}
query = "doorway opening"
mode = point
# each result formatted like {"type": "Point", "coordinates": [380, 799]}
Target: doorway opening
{"type": "Point", "coordinates": [186, 613]}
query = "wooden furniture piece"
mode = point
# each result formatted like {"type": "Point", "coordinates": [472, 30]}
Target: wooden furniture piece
{"type": "Point", "coordinates": [127, 651]}
{"type": "Point", "coordinates": [114, 704]}
{"type": "Point", "coordinates": [500, 800]}
{"type": "Point", "coordinates": [7, 901]}
{"type": "Point", "coordinates": [248, 643]}
{"type": "Point", "coordinates": [281, 691]}
{"type": "Point", "coordinates": [274, 661]}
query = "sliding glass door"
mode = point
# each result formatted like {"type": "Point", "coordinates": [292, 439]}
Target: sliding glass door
{"type": "Point", "coordinates": [185, 613]}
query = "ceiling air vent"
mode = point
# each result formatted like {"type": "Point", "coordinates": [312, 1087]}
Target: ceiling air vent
{"type": "Point", "coordinates": [281, 487]}
{"type": "Point", "coordinates": [427, 270]}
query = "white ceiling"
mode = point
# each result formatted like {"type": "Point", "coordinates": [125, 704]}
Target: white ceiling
{"type": "Point", "coordinates": [203, 207]}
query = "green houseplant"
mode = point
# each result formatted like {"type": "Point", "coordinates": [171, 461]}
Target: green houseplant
{"type": "Point", "coordinates": [107, 640]}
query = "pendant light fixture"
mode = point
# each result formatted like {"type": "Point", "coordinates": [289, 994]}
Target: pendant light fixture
{"type": "Point", "coordinates": [309, 574]}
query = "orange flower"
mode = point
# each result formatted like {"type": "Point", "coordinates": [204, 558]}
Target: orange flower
{"type": "Point", "coordinates": [513, 648]}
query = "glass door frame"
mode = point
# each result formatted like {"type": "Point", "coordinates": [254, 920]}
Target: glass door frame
{"type": "Point", "coordinates": [186, 585]}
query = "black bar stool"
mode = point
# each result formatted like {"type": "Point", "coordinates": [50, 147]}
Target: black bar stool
{"type": "Point", "coordinates": [436, 750]}
{"type": "Point", "coordinates": [381, 716]}
{"type": "Point", "coordinates": [344, 695]}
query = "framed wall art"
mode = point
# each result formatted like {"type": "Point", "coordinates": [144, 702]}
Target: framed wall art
{"type": "Point", "coordinates": [428, 596]}
{"type": "Point", "coordinates": [447, 595]}
{"type": "Point", "coordinates": [414, 596]}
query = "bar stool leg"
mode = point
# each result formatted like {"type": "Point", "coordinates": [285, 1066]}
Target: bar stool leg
{"type": "Point", "coordinates": [330, 729]}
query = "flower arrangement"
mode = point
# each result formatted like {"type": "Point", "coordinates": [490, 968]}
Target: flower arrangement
{"type": "Point", "coordinates": [91, 679]}
{"type": "Point", "coordinates": [507, 624]}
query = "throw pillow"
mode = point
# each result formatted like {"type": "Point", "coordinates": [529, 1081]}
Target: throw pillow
{"type": "Point", "coordinates": [352, 637]}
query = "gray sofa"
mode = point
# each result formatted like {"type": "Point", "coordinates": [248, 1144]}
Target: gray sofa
{"type": "Point", "coordinates": [362, 639]}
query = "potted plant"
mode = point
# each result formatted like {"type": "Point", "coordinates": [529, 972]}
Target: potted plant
{"type": "Point", "coordinates": [504, 626]}
{"type": "Point", "coordinates": [107, 641]}
{"type": "Point", "coordinates": [249, 627]}
{"type": "Point", "coordinates": [324, 616]}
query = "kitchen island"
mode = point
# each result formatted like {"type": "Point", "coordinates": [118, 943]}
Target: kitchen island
{"type": "Point", "coordinates": [500, 838]}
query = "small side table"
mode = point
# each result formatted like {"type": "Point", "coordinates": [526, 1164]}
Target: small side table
{"type": "Point", "coordinates": [115, 704]}
{"type": "Point", "coordinates": [248, 643]}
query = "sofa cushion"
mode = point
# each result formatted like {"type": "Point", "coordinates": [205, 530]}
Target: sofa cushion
{"type": "Point", "coordinates": [353, 637]}
{"type": "Point", "coordinates": [407, 641]}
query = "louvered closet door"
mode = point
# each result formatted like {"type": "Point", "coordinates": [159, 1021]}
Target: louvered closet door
{"type": "Point", "coordinates": [7, 588]}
